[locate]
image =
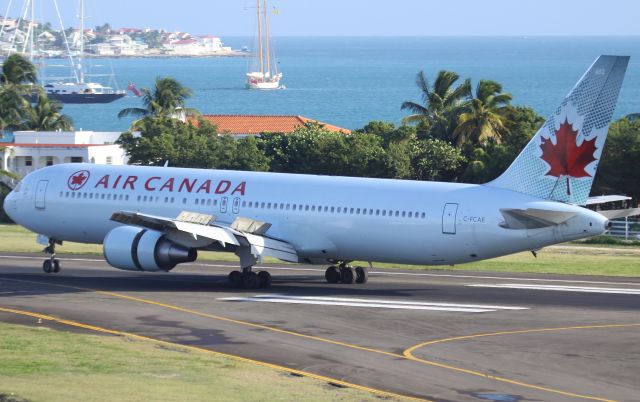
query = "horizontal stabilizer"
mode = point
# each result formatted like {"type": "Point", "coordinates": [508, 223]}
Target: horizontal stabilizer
{"type": "Point", "coordinates": [620, 213]}
{"type": "Point", "coordinates": [532, 218]}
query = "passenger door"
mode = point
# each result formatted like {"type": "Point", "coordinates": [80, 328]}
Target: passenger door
{"type": "Point", "coordinates": [41, 192]}
{"type": "Point", "coordinates": [449, 214]}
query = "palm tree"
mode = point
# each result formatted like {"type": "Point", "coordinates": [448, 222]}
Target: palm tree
{"type": "Point", "coordinates": [16, 85]}
{"type": "Point", "coordinates": [166, 100]}
{"type": "Point", "coordinates": [483, 119]}
{"type": "Point", "coordinates": [441, 104]}
{"type": "Point", "coordinates": [45, 116]}
{"type": "Point", "coordinates": [17, 70]}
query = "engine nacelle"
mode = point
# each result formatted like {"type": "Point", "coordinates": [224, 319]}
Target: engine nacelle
{"type": "Point", "coordinates": [136, 249]}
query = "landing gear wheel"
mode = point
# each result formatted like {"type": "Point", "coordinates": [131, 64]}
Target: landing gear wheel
{"type": "Point", "coordinates": [55, 266]}
{"type": "Point", "coordinates": [347, 275]}
{"type": "Point", "coordinates": [250, 280]}
{"type": "Point", "coordinates": [235, 279]}
{"type": "Point", "coordinates": [362, 275]}
{"type": "Point", "coordinates": [264, 279]}
{"type": "Point", "coordinates": [47, 266]}
{"type": "Point", "coordinates": [332, 274]}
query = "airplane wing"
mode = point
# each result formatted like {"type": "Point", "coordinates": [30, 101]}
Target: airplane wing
{"type": "Point", "coordinates": [242, 232]}
{"type": "Point", "coordinates": [603, 199]}
{"type": "Point", "coordinates": [532, 218]}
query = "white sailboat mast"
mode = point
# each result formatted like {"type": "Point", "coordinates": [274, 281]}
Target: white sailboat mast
{"type": "Point", "coordinates": [266, 39]}
{"type": "Point", "coordinates": [80, 56]}
{"type": "Point", "coordinates": [32, 32]}
{"type": "Point", "coordinates": [260, 36]}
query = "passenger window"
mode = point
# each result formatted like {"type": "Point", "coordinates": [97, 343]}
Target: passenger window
{"type": "Point", "coordinates": [377, 212]}
{"type": "Point", "coordinates": [262, 205]}
{"type": "Point", "coordinates": [351, 211]}
{"type": "Point", "coordinates": [404, 214]}
{"type": "Point", "coordinates": [244, 204]}
{"type": "Point", "coordinates": [288, 206]}
{"type": "Point", "coordinates": [397, 213]}
{"type": "Point", "coordinates": [410, 213]}
{"type": "Point", "coordinates": [339, 209]}
{"type": "Point", "coordinates": [281, 206]}
{"type": "Point", "coordinates": [294, 207]}
{"type": "Point", "coordinates": [358, 211]}
{"type": "Point", "coordinates": [184, 200]}
{"type": "Point", "coordinates": [313, 208]}
{"type": "Point", "coordinates": [326, 209]}
{"type": "Point", "coordinates": [332, 209]}
{"type": "Point", "coordinates": [422, 215]}
{"type": "Point", "coordinates": [306, 207]}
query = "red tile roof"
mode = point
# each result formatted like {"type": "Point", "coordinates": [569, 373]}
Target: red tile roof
{"type": "Point", "coordinates": [243, 124]}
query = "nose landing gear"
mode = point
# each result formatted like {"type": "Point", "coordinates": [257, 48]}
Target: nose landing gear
{"type": "Point", "coordinates": [51, 265]}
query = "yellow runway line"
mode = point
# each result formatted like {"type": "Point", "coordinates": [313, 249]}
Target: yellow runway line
{"type": "Point", "coordinates": [408, 353]}
{"type": "Point", "coordinates": [210, 352]}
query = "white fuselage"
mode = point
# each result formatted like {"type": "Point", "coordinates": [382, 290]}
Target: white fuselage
{"type": "Point", "coordinates": [323, 217]}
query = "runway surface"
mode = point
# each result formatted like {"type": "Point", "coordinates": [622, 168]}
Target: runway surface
{"type": "Point", "coordinates": [432, 335]}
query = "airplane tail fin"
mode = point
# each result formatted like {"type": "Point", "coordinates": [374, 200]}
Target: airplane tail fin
{"type": "Point", "coordinates": [560, 161]}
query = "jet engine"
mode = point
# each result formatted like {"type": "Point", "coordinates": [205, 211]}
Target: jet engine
{"type": "Point", "coordinates": [132, 248]}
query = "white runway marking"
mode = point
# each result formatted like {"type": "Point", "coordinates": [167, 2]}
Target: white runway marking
{"type": "Point", "coordinates": [390, 272]}
{"type": "Point", "coordinates": [374, 303]}
{"type": "Point", "coordinates": [621, 291]}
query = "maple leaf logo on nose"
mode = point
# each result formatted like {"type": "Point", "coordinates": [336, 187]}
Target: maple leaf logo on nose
{"type": "Point", "coordinates": [566, 158]}
{"type": "Point", "coordinates": [78, 179]}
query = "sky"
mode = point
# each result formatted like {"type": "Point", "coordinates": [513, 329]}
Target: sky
{"type": "Point", "coordinates": [358, 17]}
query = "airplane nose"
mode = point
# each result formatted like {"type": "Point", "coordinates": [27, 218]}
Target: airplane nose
{"type": "Point", "coordinates": [10, 205]}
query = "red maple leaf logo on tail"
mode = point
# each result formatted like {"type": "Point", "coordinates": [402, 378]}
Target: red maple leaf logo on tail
{"type": "Point", "coordinates": [566, 158]}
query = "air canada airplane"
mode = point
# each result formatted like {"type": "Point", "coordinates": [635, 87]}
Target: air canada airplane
{"type": "Point", "coordinates": [153, 218]}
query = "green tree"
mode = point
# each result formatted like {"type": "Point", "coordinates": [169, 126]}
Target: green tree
{"type": "Point", "coordinates": [168, 99]}
{"type": "Point", "coordinates": [45, 115]}
{"type": "Point", "coordinates": [441, 104]}
{"type": "Point", "coordinates": [488, 161]}
{"type": "Point", "coordinates": [483, 118]}
{"type": "Point", "coordinates": [618, 170]}
{"type": "Point", "coordinates": [435, 159]}
{"type": "Point", "coordinates": [17, 70]}
{"type": "Point", "coordinates": [16, 84]}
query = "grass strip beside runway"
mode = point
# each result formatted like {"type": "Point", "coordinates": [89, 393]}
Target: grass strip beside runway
{"type": "Point", "coordinates": [568, 260]}
{"type": "Point", "coordinates": [44, 364]}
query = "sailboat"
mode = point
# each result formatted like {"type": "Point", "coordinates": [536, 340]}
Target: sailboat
{"type": "Point", "coordinates": [263, 70]}
{"type": "Point", "coordinates": [77, 90]}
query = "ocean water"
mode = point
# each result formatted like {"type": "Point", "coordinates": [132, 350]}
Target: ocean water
{"type": "Point", "coordinates": [349, 81]}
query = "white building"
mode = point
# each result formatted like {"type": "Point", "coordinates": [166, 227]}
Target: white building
{"type": "Point", "coordinates": [119, 45]}
{"type": "Point", "coordinates": [32, 150]}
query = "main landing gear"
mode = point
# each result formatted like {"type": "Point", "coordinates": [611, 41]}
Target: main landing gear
{"type": "Point", "coordinates": [346, 274]}
{"type": "Point", "coordinates": [52, 264]}
{"type": "Point", "coordinates": [249, 279]}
